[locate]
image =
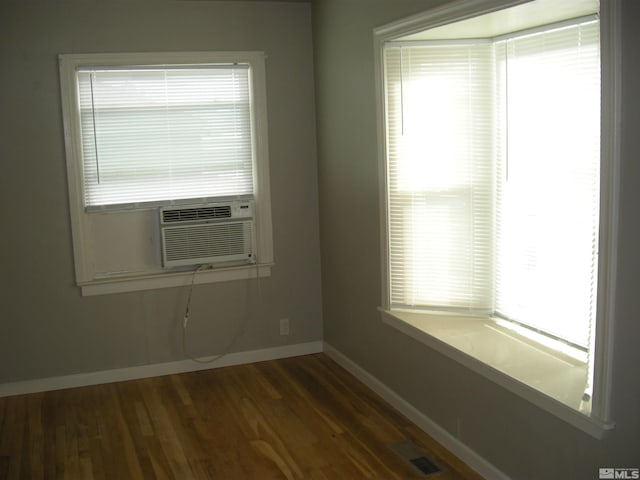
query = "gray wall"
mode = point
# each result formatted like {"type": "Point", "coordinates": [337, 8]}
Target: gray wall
{"type": "Point", "coordinates": [517, 437]}
{"type": "Point", "coordinates": [46, 327]}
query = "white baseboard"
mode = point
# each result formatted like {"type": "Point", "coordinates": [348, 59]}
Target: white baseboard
{"type": "Point", "coordinates": [451, 443]}
{"type": "Point", "coordinates": [156, 370]}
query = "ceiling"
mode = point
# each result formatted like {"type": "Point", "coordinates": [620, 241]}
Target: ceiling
{"type": "Point", "coordinates": [521, 17]}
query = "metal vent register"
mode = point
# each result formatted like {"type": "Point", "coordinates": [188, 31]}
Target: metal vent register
{"type": "Point", "coordinates": [416, 458]}
{"type": "Point", "coordinates": [195, 213]}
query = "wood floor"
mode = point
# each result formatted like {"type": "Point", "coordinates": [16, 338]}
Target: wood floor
{"type": "Point", "coordinates": [297, 418]}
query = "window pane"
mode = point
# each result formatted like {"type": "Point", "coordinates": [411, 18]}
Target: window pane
{"type": "Point", "coordinates": [440, 175]}
{"type": "Point", "coordinates": [548, 203]}
{"type": "Point", "coordinates": [154, 134]}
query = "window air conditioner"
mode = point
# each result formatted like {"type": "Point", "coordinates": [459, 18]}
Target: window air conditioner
{"type": "Point", "coordinates": [207, 233]}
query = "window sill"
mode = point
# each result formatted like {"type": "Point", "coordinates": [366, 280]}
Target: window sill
{"type": "Point", "coordinates": [130, 283]}
{"type": "Point", "coordinates": [551, 380]}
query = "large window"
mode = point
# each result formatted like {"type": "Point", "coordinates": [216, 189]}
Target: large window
{"type": "Point", "coordinates": [493, 178]}
{"type": "Point", "coordinates": [150, 130]}
{"type": "Point", "coordinates": [493, 174]}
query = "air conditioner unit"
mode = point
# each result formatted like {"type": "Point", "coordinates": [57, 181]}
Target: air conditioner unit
{"type": "Point", "coordinates": [207, 233]}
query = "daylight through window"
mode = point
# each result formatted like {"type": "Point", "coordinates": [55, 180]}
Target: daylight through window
{"type": "Point", "coordinates": [165, 133]}
{"type": "Point", "coordinates": [493, 174]}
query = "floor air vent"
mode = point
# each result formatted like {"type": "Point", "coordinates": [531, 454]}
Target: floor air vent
{"type": "Point", "coordinates": [416, 458]}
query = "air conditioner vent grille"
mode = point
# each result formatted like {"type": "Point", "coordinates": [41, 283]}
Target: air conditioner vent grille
{"type": "Point", "coordinates": [222, 240]}
{"type": "Point", "coordinates": [193, 214]}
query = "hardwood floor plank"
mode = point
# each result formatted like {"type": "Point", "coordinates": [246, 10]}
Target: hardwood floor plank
{"type": "Point", "coordinates": [12, 444]}
{"type": "Point", "coordinates": [33, 442]}
{"type": "Point", "coordinates": [295, 418]}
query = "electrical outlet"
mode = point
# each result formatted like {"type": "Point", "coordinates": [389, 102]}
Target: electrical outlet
{"type": "Point", "coordinates": [284, 326]}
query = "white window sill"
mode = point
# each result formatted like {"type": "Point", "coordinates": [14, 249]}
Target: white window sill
{"type": "Point", "coordinates": [552, 380]}
{"type": "Point", "coordinates": [133, 282]}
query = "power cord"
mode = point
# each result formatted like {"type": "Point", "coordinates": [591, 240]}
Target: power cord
{"type": "Point", "coordinates": [187, 315]}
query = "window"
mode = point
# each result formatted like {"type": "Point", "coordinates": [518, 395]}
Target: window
{"type": "Point", "coordinates": [151, 130]}
{"type": "Point", "coordinates": [493, 177]}
{"type": "Point", "coordinates": [492, 162]}
{"type": "Point", "coordinates": [166, 133]}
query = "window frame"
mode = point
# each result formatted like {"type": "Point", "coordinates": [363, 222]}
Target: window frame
{"type": "Point", "coordinates": [88, 279]}
{"type": "Point", "coordinates": [423, 326]}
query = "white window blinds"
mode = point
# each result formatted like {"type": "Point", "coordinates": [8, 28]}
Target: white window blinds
{"type": "Point", "coordinates": [548, 186]}
{"type": "Point", "coordinates": [440, 175]}
{"type": "Point", "coordinates": [152, 134]}
{"type": "Point", "coordinates": [493, 157]}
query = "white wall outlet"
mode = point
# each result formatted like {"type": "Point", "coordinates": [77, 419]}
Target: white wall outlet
{"type": "Point", "coordinates": [284, 326]}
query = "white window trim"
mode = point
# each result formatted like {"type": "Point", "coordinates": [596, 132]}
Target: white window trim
{"type": "Point", "coordinates": [90, 282]}
{"type": "Point", "coordinates": [600, 420]}
{"type": "Point", "coordinates": [173, 279]}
